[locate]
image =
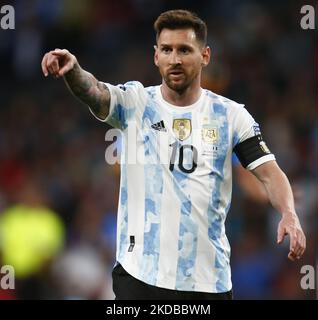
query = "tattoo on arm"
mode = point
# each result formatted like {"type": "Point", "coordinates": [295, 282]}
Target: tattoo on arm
{"type": "Point", "coordinates": [89, 90]}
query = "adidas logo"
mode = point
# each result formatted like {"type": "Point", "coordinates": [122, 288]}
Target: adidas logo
{"type": "Point", "coordinates": [160, 126]}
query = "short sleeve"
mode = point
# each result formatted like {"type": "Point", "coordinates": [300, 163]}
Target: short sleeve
{"type": "Point", "coordinates": [244, 125]}
{"type": "Point", "coordinates": [125, 99]}
{"type": "Point", "coordinates": [248, 142]}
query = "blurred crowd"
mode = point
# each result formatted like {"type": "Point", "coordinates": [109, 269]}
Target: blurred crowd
{"type": "Point", "coordinates": [52, 149]}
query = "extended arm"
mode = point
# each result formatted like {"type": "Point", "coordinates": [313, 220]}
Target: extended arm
{"type": "Point", "coordinates": [281, 197]}
{"type": "Point", "coordinates": [251, 186]}
{"type": "Point", "coordinates": [61, 63]}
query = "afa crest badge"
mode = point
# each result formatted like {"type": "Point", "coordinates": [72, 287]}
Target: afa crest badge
{"type": "Point", "coordinates": [210, 135]}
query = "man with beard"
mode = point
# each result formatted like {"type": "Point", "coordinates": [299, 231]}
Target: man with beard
{"type": "Point", "coordinates": [171, 241]}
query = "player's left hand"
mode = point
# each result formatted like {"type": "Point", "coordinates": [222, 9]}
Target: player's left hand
{"type": "Point", "coordinates": [290, 225]}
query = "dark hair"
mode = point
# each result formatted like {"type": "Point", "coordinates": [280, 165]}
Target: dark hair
{"type": "Point", "coordinates": [181, 19]}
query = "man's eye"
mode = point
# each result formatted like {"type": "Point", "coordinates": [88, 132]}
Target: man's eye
{"type": "Point", "coordinates": [165, 50]}
{"type": "Point", "coordinates": [185, 50]}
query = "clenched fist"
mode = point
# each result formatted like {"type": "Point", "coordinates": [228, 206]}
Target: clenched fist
{"type": "Point", "coordinates": [58, 62]}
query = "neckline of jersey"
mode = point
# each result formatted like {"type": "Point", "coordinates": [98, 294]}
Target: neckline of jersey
{"type": "Point", "coordinates": [173, 107]}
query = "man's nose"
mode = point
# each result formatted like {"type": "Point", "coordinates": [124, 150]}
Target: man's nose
{"type": "Point", "coordinates": [175, 58]}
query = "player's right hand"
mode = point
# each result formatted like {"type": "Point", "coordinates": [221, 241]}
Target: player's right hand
{"type": "Point", "coordinates": [58, 62]}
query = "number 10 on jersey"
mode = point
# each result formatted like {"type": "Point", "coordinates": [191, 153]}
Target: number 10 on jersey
{"type": "Point", "coordinates": [182, 150]}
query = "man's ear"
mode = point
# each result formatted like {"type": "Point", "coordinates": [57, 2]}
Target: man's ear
{"type": "Point", "coordinates": [206, 55]}
{"type": "Point", "coordinates": [155, 58]}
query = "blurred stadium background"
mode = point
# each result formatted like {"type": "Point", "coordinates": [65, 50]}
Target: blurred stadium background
{"type": "Point", "coordinates": [52, 149]}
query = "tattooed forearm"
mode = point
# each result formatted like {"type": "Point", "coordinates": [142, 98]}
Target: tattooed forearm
{"type": "Point", "coordinates": [89, 90]}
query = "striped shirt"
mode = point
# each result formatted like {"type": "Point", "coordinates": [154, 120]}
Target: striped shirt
{"type": "Point", "coordinates": [176, 184]}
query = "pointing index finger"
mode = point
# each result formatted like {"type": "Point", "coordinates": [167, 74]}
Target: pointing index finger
{"type": "Point", "coordinates": [59, 52]}
{"type": "Point", "coordinates": [44, 67]}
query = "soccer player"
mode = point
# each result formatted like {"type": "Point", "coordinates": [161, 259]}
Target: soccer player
{"type": "Point", "coordinates": [171, 241]}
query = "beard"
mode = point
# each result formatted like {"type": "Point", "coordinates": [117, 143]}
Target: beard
{"type": "Point", "coordinates": [179, 86]}
{"type": "Point", "coordinates": [181, 83]}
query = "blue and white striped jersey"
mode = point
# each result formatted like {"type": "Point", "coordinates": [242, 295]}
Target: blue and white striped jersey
{"type": "Point", "coordinates": [176, 184]}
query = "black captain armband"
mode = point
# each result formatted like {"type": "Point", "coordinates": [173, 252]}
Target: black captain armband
{"type": "Point", "coordinates": [251, 149]}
